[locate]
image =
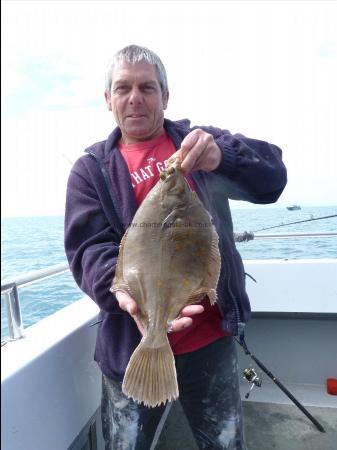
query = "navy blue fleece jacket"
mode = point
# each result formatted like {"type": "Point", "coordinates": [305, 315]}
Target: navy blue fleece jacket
{"type": "Point", "coordinates": [100, 205]}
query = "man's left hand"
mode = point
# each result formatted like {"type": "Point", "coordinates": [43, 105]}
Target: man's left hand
{"type": "Point", "coordinates": [199, 151]}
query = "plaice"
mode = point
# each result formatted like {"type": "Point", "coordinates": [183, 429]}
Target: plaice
{"type": "Point", "coordinates": [168, 258]}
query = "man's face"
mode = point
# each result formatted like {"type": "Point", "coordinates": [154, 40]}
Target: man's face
{"type": "Point", "coordinates": [137, 101]}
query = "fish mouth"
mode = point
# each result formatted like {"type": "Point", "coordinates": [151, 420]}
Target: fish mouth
{"type": "Point", "coordinates": [174, 166]}
{"type": "Point", "coordinates": [167, 173]}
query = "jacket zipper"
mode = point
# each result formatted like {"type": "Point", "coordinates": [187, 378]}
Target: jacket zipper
{"type": "Point", "coordinates": [116, 222]}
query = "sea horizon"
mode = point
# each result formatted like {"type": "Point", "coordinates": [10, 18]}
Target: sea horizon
{"type": "Point", "coordinates": [234, 204]}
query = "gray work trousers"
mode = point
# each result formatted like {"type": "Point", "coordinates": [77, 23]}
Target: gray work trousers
{"type": "Point", "coordinates": [208, 392]}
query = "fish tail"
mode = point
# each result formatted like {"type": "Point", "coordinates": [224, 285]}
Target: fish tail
{"type": "Point", "coordinates": [150, 376]}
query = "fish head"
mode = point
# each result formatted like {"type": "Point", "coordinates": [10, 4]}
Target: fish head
{"type": "Point", "coordinates": [174, 188]}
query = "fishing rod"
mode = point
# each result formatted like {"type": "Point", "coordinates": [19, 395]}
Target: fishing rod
{"type": "Point", "coordinates": [251, 376]}
{"type": "Point", "coordinates": [293, 223]}
{"type": "Point", "coordinates": [249, 235]}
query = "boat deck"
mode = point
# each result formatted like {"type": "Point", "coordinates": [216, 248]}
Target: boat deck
{"type": "Point", "coordinates": [268, 426]}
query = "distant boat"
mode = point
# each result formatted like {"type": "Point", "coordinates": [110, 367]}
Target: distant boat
{"type": "Point", "coordinates": [293, 207]}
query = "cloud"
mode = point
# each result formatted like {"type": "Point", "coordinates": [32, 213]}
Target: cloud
{"type": "Point", "coordinates": [40, 82]}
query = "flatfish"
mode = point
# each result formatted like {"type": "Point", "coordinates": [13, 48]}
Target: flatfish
{"type": "Point", "coordinates": [168, 258]}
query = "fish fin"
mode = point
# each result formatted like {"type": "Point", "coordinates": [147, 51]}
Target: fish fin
{"type": "Point", "coordinates": [118, 282]}
{"type": "Point", "coordinates": [213, 269]}
{"type": "Point", "coordinates": [197, 200]}
{"type": "Point", "coordinates": [150, 376]}
{"type": "Point", "coordinates": [210, 281]}
{"type": "Point", "coordinates": [212, 295]}
{"type": "Point", "coordinates": [197, 295]}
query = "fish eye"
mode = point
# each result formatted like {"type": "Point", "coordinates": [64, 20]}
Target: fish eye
{"type": "Point", "coordinates": [170, 170]}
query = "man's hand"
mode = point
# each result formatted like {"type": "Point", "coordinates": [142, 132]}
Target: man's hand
{"type": "Point", "coordinates": [199, 151]}
{"type": "Point", "coordinates": [128, 304]}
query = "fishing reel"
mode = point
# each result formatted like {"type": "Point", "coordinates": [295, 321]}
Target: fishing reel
{"type": "Point", "coordinates": [250, 375]}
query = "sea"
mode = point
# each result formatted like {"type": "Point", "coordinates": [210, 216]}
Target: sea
{"type": "Point", "coordinates": [32, 243]}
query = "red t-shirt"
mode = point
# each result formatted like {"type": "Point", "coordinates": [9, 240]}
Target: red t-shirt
{"type": "Point", "coordinates": [145, 161]}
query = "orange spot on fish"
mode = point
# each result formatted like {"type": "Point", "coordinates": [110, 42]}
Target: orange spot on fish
{"type": "Point", "coordinates": [185, 281]}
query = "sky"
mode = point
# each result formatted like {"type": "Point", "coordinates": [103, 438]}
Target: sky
{"type": "Point", "coordinates": [267, 70]}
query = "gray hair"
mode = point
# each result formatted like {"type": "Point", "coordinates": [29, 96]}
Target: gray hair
{"type": "Point", "coordinates": [134, 54]}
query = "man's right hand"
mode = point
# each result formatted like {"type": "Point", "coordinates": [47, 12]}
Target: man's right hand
{"type": "Point", "coordinates": [184, 320]}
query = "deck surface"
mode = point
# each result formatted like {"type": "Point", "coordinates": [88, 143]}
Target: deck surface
{"type": "Point", "coordinates": [267, 427]}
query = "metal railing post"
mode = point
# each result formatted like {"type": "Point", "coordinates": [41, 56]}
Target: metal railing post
{"type": "Point", "coordinates": [15, 325]}
{"type": "Point", "coordinates": [9, 289]}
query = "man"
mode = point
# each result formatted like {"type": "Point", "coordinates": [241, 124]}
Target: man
{"type": "Point", "coordinates": [105, 188]}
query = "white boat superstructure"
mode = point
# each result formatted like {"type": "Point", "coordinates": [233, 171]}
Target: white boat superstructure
{"type": "Point", "coordinates": [51, 385]}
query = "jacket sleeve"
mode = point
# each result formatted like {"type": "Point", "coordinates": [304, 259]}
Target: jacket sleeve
{"type": "Point", "coordinates": [253, 169]}
{"type": "Point", "coordinates": [91, 245]}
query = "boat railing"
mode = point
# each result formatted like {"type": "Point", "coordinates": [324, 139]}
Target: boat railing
{"type": "Point", "coordinates": [10, 290]}
{"type": "Point", "coordinates": [10, 287]}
